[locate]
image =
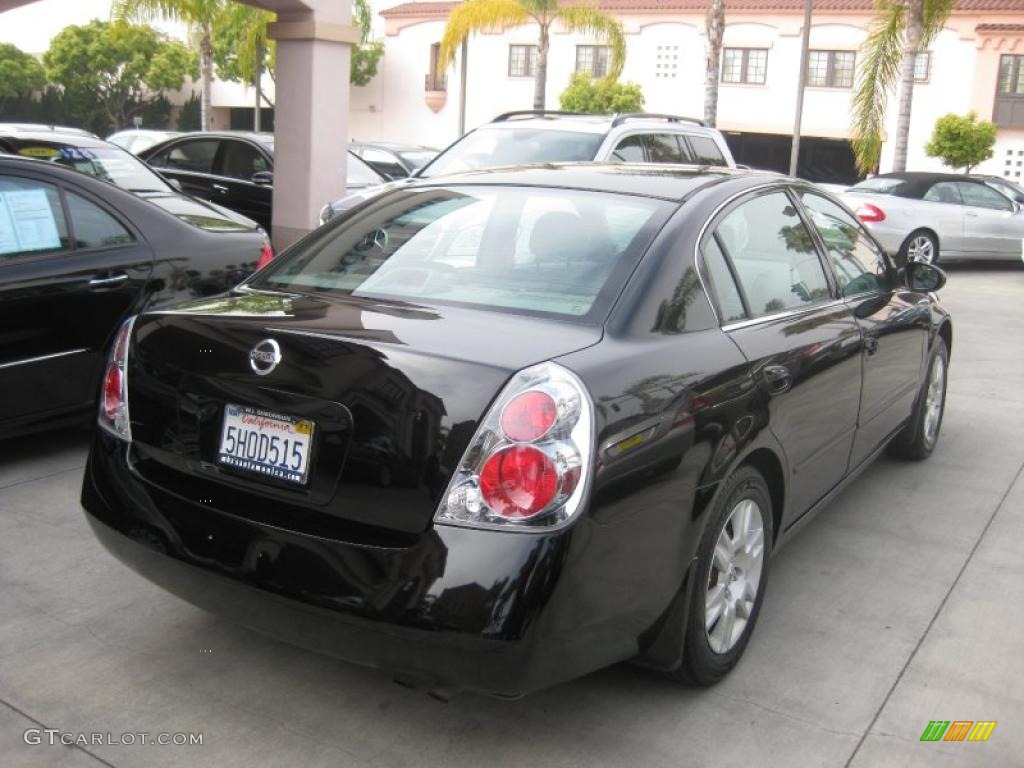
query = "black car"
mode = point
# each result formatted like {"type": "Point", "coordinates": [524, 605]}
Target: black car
{"type": "Point", "coordinates": [93, 156]}
{"type": "Point", "coordinates": [235, 170]}
{"type": "Point", "coordinates": [598, 398]}
{"type": "Point", "coordinates": [393, 161]}
{"type": "Point", "coordinates": [78, 255]}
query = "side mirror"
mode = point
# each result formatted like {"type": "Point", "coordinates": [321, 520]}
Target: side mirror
{"type": "Point", "coordinates": [922, 278]}
{"type": "Point", "coordinates": [263, 178]}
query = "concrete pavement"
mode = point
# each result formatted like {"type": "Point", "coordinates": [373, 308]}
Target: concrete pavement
{"type": "Point", "coordinates": [902, 603]}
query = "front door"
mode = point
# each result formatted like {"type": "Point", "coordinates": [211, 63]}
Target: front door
{"type": "Point", "coordinates": [235, 188]}
{"type": "Point", "coordinates": [992, 225]}
{"type": "Point", "coordinates": [69, 272]}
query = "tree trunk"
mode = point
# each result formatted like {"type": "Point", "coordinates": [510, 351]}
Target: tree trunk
{"type": "Point", "coordinates": [541, 77]}
{"type": "Point", "coordinates": [915, 18]}
{"type": "Point", "coordinates": [715, 29]}
{"type": "Point", "coordinates": [205, 77]}
{"type": "Point", "coordinates": [259, 87]}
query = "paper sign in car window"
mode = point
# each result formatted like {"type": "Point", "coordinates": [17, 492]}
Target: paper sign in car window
{"type": "Point", "coordinates": [39, 152]}
{"type": "Point", "coordinates": [27, 223]}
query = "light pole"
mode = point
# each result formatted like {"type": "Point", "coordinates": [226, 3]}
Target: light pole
{"type": "Point", "coordinates": [794, 153]}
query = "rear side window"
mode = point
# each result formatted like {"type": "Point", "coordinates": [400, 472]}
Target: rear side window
{"type": "Point", "coordinates": [31, 219]}
{"type": "Point", "coordinates": [943, 192]}
{"type": "Point", "coordinates": [189, 156]}
{"type": "Point", "coordinates": [94, 227]}
{"type": "Point", "coordinates": [664, 148]}
{"type": "Point", "coordinates": [559, 252]}
{"type": "Point", "coordinates": [706, 151]}
{"type": "Point", "coordinates": [773, 255]}
{"type": "Point", "coordinates": [730, 304]}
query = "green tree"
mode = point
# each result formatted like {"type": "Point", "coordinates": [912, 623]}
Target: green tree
{"type": "Point", "coordinates": [20, 75]}
{"type": "Point", "coordinates": [199, 16]}
{"type": "Point", "coordinates": [487, 15]}
{"type": "Point", "coordinates": [110, 72]}
{"type": "Point", "coordinates": [366, 55]}
{"type": "Point", "coordinates": [962, 141]}
{"type": "Point", "coordinates": [240, 41]}
{"type": "Point", "coordinates": [188, 117]}
{"type": "Point", "coordinates": [601, 96]}
{"type": "Point", "coordinates": [900, 29]}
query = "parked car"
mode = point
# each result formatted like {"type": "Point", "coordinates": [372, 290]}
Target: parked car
{"type": "Point", "coordinates": [136, 140]}
{"type": "Point", "coordinates": [600, 397]}
{"type": "Point", "coordinates": [78, 255]}
{"type": "Point", "coordinates": [543, 136]}
{"type": "Point", "coordinates": [917, 216]}
{"type": "Point", "coordinates": [393, 161]}
{"type": "Point", "coordinates": [108, 162]}
{"type": "Point", "coordinates": [236, 170]}
{"type": "Point", "coordinates": [44, 128]}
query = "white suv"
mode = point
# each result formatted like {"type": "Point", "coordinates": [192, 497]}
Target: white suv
{"type": "Point", "coordinates": [540, 136]}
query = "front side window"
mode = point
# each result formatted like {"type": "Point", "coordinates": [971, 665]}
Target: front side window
{"type": "Point", "coordinates": [493, 146]}
{"type": "Point", "coordinates": [858, 266]}
{"type": "Point", "coordinates": [31, 219]}
{"type": "Point", "coordinates": [593, 59]}
{"type": "Point", "coordinates": [744, 65]}
{"type": "Point", "coordinates": [773, 255]}
{"type": "Point", "coordinates": [560, 252]}
{"type": "Point", "coordinates": [522, 60]}
{"type": "Point", "coordinates": [242, 161]}
{"type": "Point", "coordinates": [94, 227]}
{"type": "Point", "coordinates": [831, 69]}
{"type": "Point", "coordinates": [630, 150]}
{"type": "Point", "coordinates": [980, 196]}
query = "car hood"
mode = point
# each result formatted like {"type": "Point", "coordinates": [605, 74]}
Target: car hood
{"type": "Point", "coordinates": [200, 213]}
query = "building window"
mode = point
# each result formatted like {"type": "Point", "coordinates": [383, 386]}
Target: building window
{"type": "Point", "coordinates": [522, 60]}
{"type": "Point", "coordinates": [593, 59]}
{"type": "Point", "coordinates": [1009, 106]}
{"type": "Point", "coordinates": [667, 63]}
{"type": "Point", "coordinates": [436, 80]}
{"type": "Point", "coordinates": [744, 65]}
{"type": "Point", "coordinates": [922, 67]}
{"type": "Point", "coordinates": [830, 69]}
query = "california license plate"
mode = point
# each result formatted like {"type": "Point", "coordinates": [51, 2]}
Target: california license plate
{"type": "Point", "coordinates": [266, 443]}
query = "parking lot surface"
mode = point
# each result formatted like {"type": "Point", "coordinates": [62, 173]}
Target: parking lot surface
{"type": "Point", "coordinates": [901, 604]}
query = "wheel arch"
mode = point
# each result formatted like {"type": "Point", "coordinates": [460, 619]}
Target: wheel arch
{"type": "Point", "coordinates": [770, 466]}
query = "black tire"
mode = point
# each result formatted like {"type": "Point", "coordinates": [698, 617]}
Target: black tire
{"type": "Point", "coordinates": [918, 438]}
{"type": "Point", "coordinates": [920, 235]}
{"type": "Point", "coordinates": [702, 664]}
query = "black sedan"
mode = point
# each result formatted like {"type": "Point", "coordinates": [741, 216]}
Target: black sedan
{"type": "Point", "coordinates": [236, 170]}
{"type": "Point", "coordinates": [78, 255]}
{"type": "Point", "coordinates": [499, 430]}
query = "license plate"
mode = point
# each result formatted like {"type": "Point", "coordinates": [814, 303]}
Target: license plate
{"type": "Point", "coordinates": [266, 443]}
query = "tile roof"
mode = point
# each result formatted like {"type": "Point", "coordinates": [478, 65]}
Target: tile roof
{"type": "Point", "coordinates": [999, 28]}
{"type": "Point", "coordinates": [443, 8]}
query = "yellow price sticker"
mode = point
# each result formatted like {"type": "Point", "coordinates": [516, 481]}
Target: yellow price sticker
{"type": "Point", "coordinates": [39, 152]}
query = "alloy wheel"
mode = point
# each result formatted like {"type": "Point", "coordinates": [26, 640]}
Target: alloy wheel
{"type": "Point", "coordinates": [934, 398]}
{"type": "Point", "coordinates": [921, 248]}
{"type": "Point", "coordinates": [734, 576]}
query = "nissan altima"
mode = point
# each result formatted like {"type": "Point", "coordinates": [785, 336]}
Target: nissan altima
{"type": "Point", "coordinates": [495, 431]}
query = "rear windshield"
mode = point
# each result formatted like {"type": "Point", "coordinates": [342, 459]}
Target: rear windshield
{"type": "Point", "coordinates": [109, 163]}
{"type": "Point", "coordinates": [879, 186]}
{"type": "Point", "coordinates": [490, 147]}
{"type": "Point", "coordinates": [537, 251]}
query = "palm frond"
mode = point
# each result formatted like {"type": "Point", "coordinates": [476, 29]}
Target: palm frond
{"type": "Point", "coordinates": [478, 16]}
{"type": "Point", "coordinates": [882, 53]}
{"type": "Point", "coordinates": [189, 12]}
{"type": "Point", "coordinates": [589, 19]}
{"type": "Point", "coordinates": [936, 13]}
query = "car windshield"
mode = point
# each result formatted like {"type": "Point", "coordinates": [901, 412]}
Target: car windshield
{"type": "Point", "coordinates": [492, 146]}
{"type": "Point", "coordinates": [417, 158]}
{"type": "Point", "coordinates": [878, 185]}
{"type": "Point", "coordinates": [535, 251]}
{"type": "Point", "coordinates": [109, 163]}
{"type": "Point", "coordinates": [358, 172]}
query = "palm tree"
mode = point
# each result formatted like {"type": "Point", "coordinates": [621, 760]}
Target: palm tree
{"type": "Point", "coordinates": [899, 31]}
{"type": "Point", "coordinates": [486, 15]}
{"type": "Point", "coordinates": [714, 25]}
{"type": "Point", "coordinates": [198, 16]}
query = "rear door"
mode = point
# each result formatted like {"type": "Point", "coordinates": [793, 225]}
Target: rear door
{"type": "Point", "coordinates": [992, 225]}
{"type": "Point", "coordinates": [191, 163]}
{"type": "Point", "coordinates": [70, 269]}
{"type": "Point", "coordinates": [236, 166]}
{"type": "Point", "coordinates": [777, 304]}
{"type": "Point", "coordinates": [894, 323]}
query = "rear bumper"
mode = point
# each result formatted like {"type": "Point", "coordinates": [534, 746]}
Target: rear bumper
{"type": "Point", "coordinates": [476, 610]}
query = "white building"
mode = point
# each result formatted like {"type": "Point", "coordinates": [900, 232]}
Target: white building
{"type": "Point", "coordinates": [409, 101]}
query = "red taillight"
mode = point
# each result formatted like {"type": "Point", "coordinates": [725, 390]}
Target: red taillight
{"type": "Point", "coordinates": [869, 212]}
{"type": "Point", "coordinates": [528, 416]}
{"type": "Point", "coordinates": [112, 391]}
{"type": "Point", "coordinates": [266, 256]}
{"type": "Point", "coordinates": [519, 481]}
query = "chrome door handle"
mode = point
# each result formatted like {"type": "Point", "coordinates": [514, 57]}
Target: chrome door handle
{"type": "Point", "coordinates": [108, 282]}
{"type": "Point", "coordinates": [220, 188]}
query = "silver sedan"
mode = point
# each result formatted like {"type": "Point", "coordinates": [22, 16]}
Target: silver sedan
{"type": "Point", "coordinates": [920, 216]}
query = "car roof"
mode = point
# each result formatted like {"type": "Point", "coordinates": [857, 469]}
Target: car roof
{"type": "Point", "coordinates": [54, 137]}
{"type": "Point", "coordinates": [394, 147]}
{"type": "Point", "coordinates": [44, 128]}
{"type": "Point", "coordinates": [922, 176]}
{"type": "Point", "coordinates": [665, 181]}
{"type": "Point", "coordinates": [598, 124]}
